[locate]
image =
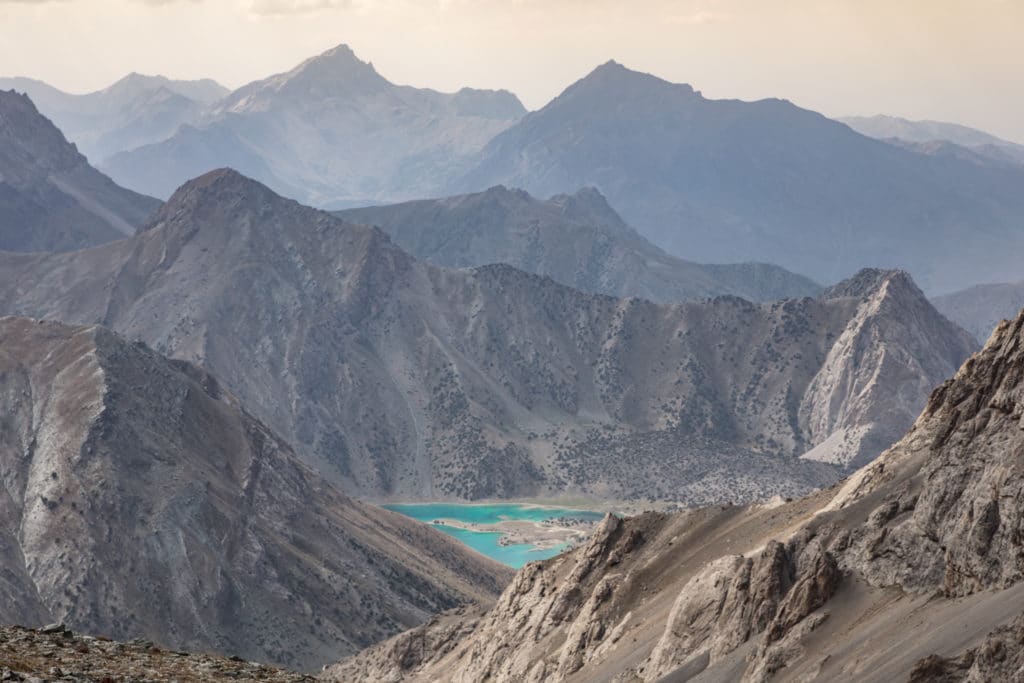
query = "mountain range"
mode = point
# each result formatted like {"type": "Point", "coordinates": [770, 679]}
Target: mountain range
{"type": "Point", "coordinates": [910, 570]}
{"type": "Point", "coordinates": [134, 111]}
{"type": "Point", "coordinates": [576, 239]}
{"type": "Point", "coordinates": [51, 199]}
{"type": "Point", "coordinates": [938, 137]}
{"type": "Point", "coordinates": [712, 181]}
{"type": "Point", "coordinates": [400, 378]}
{"type": "Point", "coordinates": [141, 500]}
{"type": "Point", "coordinates": [332, 131]}
{"type": "Point", "coordinates": [979, 309]}
{"type": "Point", "coordinates": [725, 181]}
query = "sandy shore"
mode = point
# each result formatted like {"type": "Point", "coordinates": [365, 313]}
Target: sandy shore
{"type": "Point", "coordinates": [546, 534]}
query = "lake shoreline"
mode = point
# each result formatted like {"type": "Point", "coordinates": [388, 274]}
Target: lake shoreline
{"type": "Point", "coordinates": [511, 533]}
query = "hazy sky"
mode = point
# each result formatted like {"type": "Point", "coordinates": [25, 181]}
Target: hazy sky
{"type": "Point", "coordinates": [956, 60]}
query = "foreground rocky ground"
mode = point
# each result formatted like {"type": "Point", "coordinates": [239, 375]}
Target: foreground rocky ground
{"type": "Point", "coordinates": [57, 654]}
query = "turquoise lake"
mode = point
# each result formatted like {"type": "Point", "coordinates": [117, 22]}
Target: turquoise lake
{"type": "Point", "coordinates": [486, 542]}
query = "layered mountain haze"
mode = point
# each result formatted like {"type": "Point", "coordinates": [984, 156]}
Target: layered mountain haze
{"type": "Point", "coordinates": [51, 199]}
{"type": "Point", "coordinates": [331, 132]}
{"type": "Point", "coordinates": [712, 181]}
{"type": "Point", "coordinates": [576, 239]}
{"type": "Point", "coordinates": [141, 500]}
{"type": "Point", "coordinates": [728, 181]}
{"type": "Point", "coordinates": [400, 378]}
{"type": "Point", "coordinates": [910, 570]}
{"type": "Point", "coordinates": [979, 309]}
{"type": "Point", "coordinates": [136, 110]}
{"type": "Point", "coordinates": [938, 137]}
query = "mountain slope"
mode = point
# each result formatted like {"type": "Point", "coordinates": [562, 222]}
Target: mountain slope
{"type": "Point", "coordinates": [910, 570]}
{"type": "Point", "coordinates": [575, 239]}
{"type": "Point", "coordinates": [141, 500]}
{"type": "Point", "coordinates": [135, 111]}
{"type": "Point", "coordinates": [51, 199]}
{"type": "Point", "coordinates": [979, 309]}
{"type": "Point", "coordinates": [728, 181]}
{"type": "Point", "coordinates": [985, 145]}
{"type": "Point", "coordinates": [402, 378]}
{"type": "Point", "coordinates": [331, 132]}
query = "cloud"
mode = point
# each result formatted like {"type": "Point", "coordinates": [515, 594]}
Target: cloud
{"type": "Point", "coordinates": [700, 17]}
{"type": "Point", "coordinates": [270, 7]}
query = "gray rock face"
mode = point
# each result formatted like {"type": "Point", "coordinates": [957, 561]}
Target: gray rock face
{"type": "Point", "coordinates": [50, 198]}
{"type": "Point", "coordinates": [728, 181]}
{"type": "Point", "coordinates": [911, 568]}
{"type": "Point", "coordinates": [399, 377]}
{"type": "Point", "coordinates": [577, 239]}
{"type": "Point", "coordinates": [136, 110]}
{"type": "Point", "coordinates": [331, 132]}
{"type": "Point", "coordinates": [139, 499]}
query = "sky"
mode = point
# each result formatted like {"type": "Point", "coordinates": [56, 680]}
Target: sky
{"type": "Point", "coordinates": [951, 60]}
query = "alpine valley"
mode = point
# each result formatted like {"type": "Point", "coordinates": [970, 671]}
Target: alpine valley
{"type": "Point", "coordinates": [292, 375]}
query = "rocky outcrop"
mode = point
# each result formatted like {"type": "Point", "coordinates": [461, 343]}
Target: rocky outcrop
{"type": "Point", "coordinates": [51, 199]}
{"type": "Point", "coordinates": [55, 653]}
{"type": "Point", "coordinates": [911, 568]}
{"type": "Point", "coordinates": [397, 377]}
{"type": "Point", "coordinates": [138, 499]}
{"type": "Point", "coordinates": [999, 658]}
{"type": "Point", "coordinates": [894, 333]}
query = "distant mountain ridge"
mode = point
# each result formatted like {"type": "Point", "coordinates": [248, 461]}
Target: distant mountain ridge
{"type": "Point", "coordinates": [576, 239]}
{"type": "Point", "coordinates": [51, 199]}
{"type": "Point", "coordinates": [979, 309]}
{"type": "Point", "coordinates": [332, 131]}
{"type": "Point", "coordinates": [399, 378]}
{"type": "Point", "coordinates": [710, 181]}
{"type": "Point", "coordinates": [929, 136]}
{"type": "Point", "coordinates": [134, 111]}
{"type": "Point", "coordinates": [726, 181]}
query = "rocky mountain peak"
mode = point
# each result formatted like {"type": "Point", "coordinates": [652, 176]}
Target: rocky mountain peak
{"type": "Point", "coordinates": [336, 68]}
{"type": "Point", "coordinates": [30, 142]}
{"type": "Point", "coordinates": [222, 187]}
{"type": "Point", "coordinates": [867, 281]}
{"type": "Point", "coordinates": [615, 77]}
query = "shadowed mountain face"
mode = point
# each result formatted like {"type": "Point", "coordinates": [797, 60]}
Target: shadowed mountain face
{"type": "Point", "coordinates": [331, 132]}
{"type": "Point", "coordinates": [576, 239]}
{"type": "Point", "coordinates": [727, 181]}
{"type": "Point", "coordinates": [910, 570]}
{"type": "Point", "coordinates": [51, 199]}
{"type": "Point", "coordinates": [140, 499]}
{"type": "Point", "coordinates": [400, 377]}
{"type": "Point", "coordinates": [135, 111]}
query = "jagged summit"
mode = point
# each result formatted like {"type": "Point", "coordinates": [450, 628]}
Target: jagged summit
{"type": "Point", "coordinates": [30, 140]}
{"type": "Point", "coordinates": [223, 187]}
{"type": "Point", "coordinates": [336, 72]}
{"type": "Point", "coordinates": [613, 78]}
{"type": "Point", "coordinates": [867, 281]}
{"type": "Point", "coordinates": [51, 199]}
